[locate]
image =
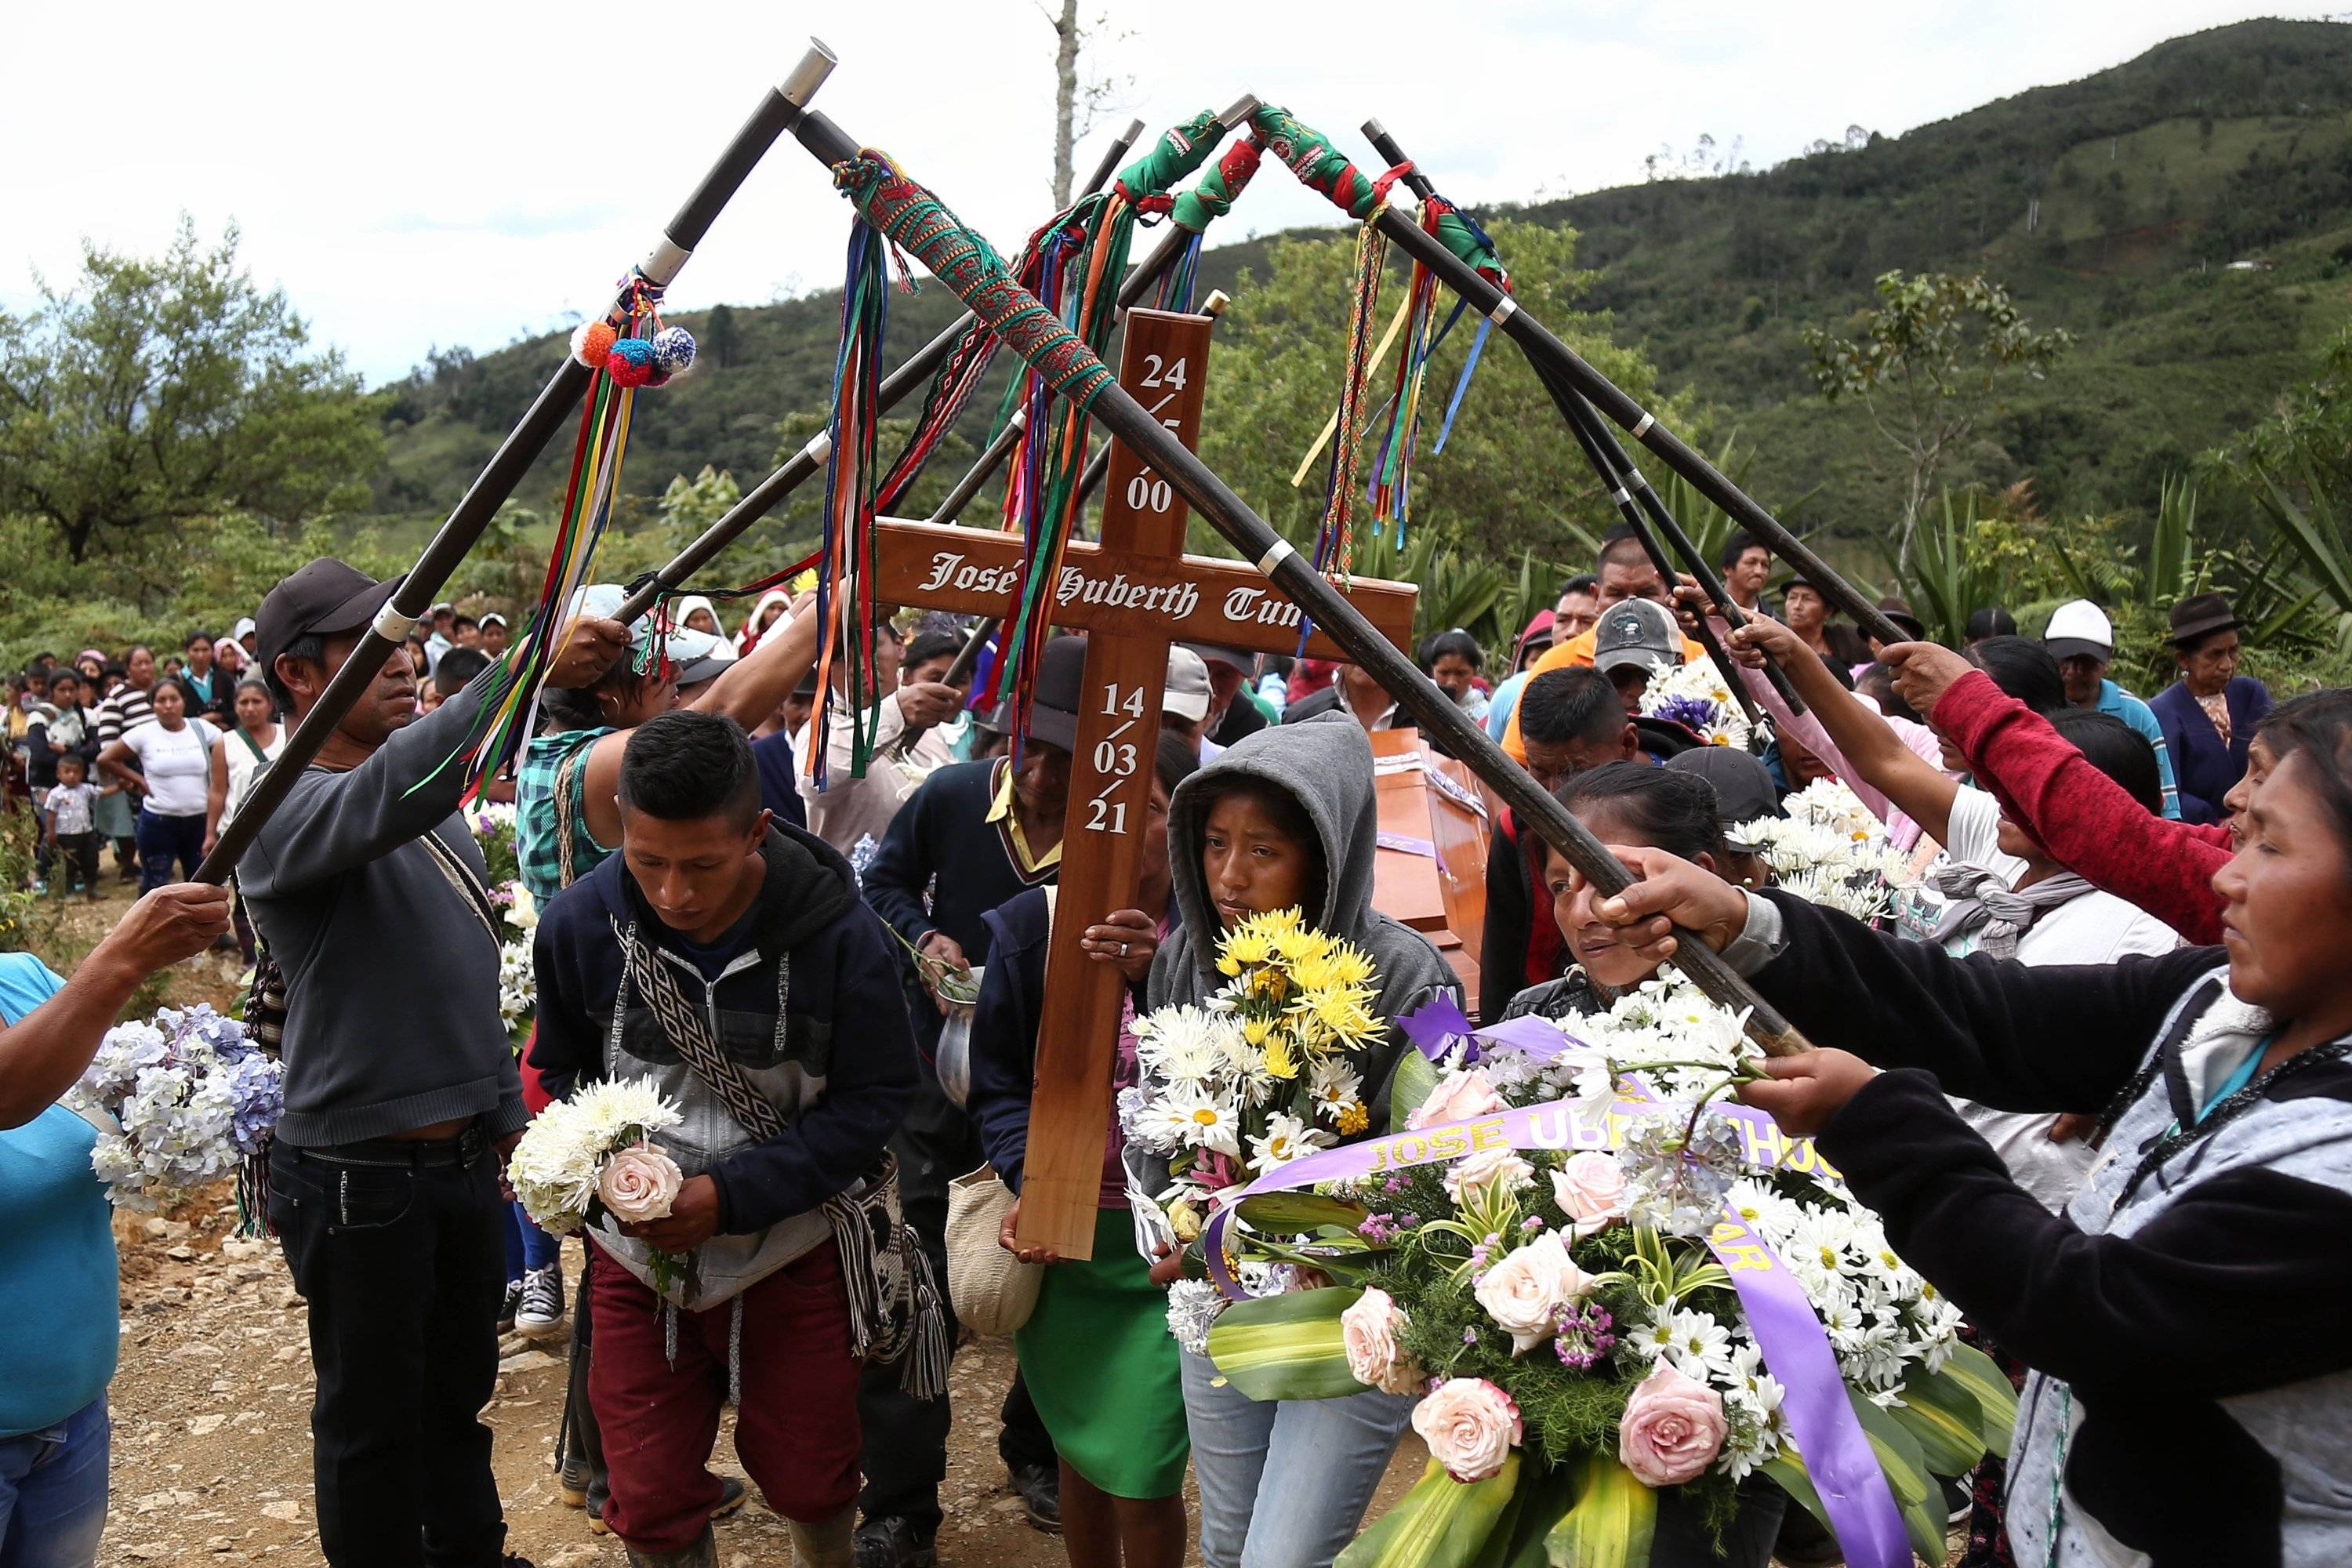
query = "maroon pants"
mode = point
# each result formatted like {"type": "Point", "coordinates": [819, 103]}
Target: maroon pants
{"type": "Point", "coordinates": [795, 1430]}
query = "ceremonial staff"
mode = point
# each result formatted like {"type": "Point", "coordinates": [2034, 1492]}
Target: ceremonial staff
{"type": "Point", "coordinates": [898, 208]}
{"type": "Point", "coordinates": [1626, 487]}
{"type": "Point", "coordinates": [779, 111]}
{"type": "Point", "coordinates": [769, 493]}
{"type": "Point", "coordinates": [1552, 356]}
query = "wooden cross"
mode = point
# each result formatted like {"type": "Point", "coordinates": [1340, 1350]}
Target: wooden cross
{"type": "Point", "coordinates": [1133, 593]}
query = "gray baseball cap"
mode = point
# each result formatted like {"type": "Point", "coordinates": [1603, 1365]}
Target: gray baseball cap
{"type": "Point", "coordinates": [1636, 631]}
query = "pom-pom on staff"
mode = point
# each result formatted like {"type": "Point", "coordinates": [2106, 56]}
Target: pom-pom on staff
{"type": "Point", "coordinates": [780, 110]}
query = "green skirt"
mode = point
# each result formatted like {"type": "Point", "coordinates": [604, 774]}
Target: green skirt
{"type": "Point", "coordinates": [113, 816]}
{"type": "Point", "coordinates": [1104, 1371]}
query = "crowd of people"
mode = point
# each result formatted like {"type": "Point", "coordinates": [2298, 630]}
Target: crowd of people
{"type": "Point", "coordinates": [2090, 1072]}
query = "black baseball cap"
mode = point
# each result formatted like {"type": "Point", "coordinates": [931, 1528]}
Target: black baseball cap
{"type": "Point", "coordinates": [1053, 696]}
{"type": "Point", "coordinates": [323, 598]}
{"type": "Point", "coordinates": [1743, 789]}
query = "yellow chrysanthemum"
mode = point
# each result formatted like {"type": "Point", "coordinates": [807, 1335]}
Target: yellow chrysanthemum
{"type": "Point", "coordinates": [1340, 1013]}
{"type": "Point", "coordinates": [1228, 965]}
{"type": "Point", "coordinates": [1294, 945]}
{"type": "Point", "coordinates": [1256, 1030]}
{"type": "Point", "coordinates": [1244, 946]}
{"type": "Point", "coordinates": [1281, 1061]}
{"type": "Point", "coordinates": [1353, 1119]}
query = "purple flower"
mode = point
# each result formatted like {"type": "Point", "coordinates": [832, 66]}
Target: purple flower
{"type": "Point", "coordinates": [1533, 1222]}
{"type": "Point", "coordinates": [1378, 1228]}
{"type": "Point", "coordinates": [1584, 1337]}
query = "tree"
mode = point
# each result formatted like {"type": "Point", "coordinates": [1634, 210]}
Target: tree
{"type": "Point", "coordinates": [1077, 100]}
{"type": "Point", "coordinates": [165, 390]}
{"type": "Point", "coordinates": [1927, 364]}
{"type": "Point", "coordinates": [718, 337]}
{"type": "Point", "coordinates": [1510, 478]}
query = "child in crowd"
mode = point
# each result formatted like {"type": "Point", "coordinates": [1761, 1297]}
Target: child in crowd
{"type": "Point", "coordinates": [68, 828]}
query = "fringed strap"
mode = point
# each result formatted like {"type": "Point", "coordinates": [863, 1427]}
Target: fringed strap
{"type": "Point", "coordinates": [735, 1353]}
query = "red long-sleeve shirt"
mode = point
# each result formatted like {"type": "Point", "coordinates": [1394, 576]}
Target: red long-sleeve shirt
{"type": "Point", "coordinates": [2088, 822]}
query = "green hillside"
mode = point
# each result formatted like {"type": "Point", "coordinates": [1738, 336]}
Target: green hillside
{"type": "Point", "coordinates": [2113, 206]}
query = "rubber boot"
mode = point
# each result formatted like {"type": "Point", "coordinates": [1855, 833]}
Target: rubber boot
{"type": "Point", "coordinates": [703, 1553]}
{"type": "Point", "coordinates": [828, 1545]}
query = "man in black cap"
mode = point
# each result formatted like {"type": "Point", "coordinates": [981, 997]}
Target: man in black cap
{"type": "Point", "coordinates": [401, 1097]}
{"type": "Point", "coordinates": [970, 836]}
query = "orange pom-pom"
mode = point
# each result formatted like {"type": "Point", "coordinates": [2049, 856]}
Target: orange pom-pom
{"type": "Point", "coordinates": [593, 341]}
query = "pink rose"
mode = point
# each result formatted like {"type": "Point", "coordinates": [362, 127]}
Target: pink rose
{"type": "Point", "coordinates": [1458, 1097]}
{"type": "Point", "coordinates": [1470, 1427]}
{"type": "Point", "coordinates": [1489, 1170]}
{"type": "Point", "coordinates": [1590, 1190]}
{"type": "Point", "coordinates": [1524, 1293]}
{"type": "Point", "coordinates": [1368, 1329]}
{"type": "Point", "coordinates": [1673, 1428]}
{"type": "Point", "coordinates": [639, 1183]}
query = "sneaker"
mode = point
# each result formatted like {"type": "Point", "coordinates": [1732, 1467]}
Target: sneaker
{"type": "Point", "coordinates": [1040, 1489]}
{"type": "Point", "coordinates": [732, 1496]}
{"type": "Point", "coordinates": [507, 1308]}
{"type": "Point", "coordinates": [540, 1306]}
{"type": "Point", "coordinates": [892, 1542]}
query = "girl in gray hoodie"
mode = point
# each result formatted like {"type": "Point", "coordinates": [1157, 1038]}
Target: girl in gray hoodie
{"type": "Point", "coordinates": [1285, 819]}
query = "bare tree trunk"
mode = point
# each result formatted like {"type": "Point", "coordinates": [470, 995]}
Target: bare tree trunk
{"type": "Point", "coordinates": [1066, 99]}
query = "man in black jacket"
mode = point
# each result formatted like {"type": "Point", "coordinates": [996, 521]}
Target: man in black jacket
{"type": "Point", "coordinates": [727, 958]}
{"type": "Point", "coordinates": [970, 836]}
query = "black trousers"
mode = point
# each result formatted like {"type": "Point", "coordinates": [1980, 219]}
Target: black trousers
{"type": "Point", "coordinates": [75, 858]}
{"type": "Point", "coordinates": [905, 1454]}
{"type": "Point", "coordinates": [400, 1250]}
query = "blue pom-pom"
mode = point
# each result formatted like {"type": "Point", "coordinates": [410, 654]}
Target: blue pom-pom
{"type": "Point", "coordinates": [673, 350]}
{"type": "Point", "coordinates": [631, 361]}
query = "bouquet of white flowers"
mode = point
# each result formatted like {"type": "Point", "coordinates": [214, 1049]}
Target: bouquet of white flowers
{"type": "Point", "coordinates": [1605, 1285]}
{"type": "Point", "coordinates": [1828, 850]}
{"type": "Point", "coordinates": [594, 1154]}
{"type": "Point", "coordinates": [190, 1097]}
{"type": "Point", "coordinates": [1698, 697]}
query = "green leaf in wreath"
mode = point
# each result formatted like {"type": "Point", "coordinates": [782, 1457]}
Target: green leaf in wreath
{"type": "Point", "coordinates": [1612, 1522]}
{"type": "Point", "coordinates": [1982, 1375]}
{"type": "Point", "coordinates": [1411, 1084]}
{"type": "Point", "coordinates": [1440, 1523]}
{"type": "Point", "coordinates": [1944, 1417]}
{"type": "Point", "coordinates": [1286, 1347]}
{"type": "Point", "coordinates": [1916, 1496]}
{"type": "Point", "coordinates": [1293, 1214]}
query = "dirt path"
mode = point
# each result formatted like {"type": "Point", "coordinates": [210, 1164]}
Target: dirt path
{"type": "Point", "coordinates": [212, 1437]}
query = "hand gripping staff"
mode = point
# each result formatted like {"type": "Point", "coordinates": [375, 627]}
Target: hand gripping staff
{"type": "Point", "coordinates": [1451, 257]}
{"type": "Point", "coordinates": [779, 110]}
{"type": "Point", "coordinates": [810, 461]}
{"type": "Point", "coordinates": [915, 220]}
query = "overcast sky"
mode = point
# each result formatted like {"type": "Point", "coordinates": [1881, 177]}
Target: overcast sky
{"type": "Point", "coordinates": [464, 171]}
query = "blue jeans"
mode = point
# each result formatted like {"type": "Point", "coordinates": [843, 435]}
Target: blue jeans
{"type": "Point", "coordinates": [1284, 1485]}
{"type": "Point", "coordinates": [162, 840]}
{"type": "Point", "coordinates": [53, 1492]}
{"type": "Point", "coordinates": [528, 1246]}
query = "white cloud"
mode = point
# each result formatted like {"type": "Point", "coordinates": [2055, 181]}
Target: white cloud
{"type": "Point", "coordinates": [447, 172]}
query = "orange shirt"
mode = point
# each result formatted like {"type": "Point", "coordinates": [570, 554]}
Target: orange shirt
{"type": "Point", "coordinates": [1576, 650]}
